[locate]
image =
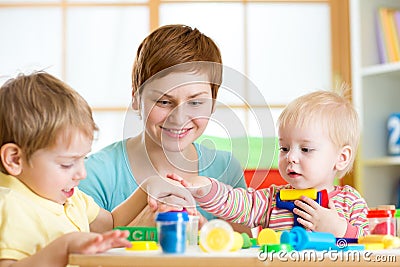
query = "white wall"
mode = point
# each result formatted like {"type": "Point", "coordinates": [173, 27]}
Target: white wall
{"type": "Point", "coordinates": [279, 50]}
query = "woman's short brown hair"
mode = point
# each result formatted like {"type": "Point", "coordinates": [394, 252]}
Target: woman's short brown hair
{"type": "Point", "coordinates": [173, 45]}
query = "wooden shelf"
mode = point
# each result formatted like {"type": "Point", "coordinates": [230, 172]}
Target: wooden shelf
{"type": "Point", "coordinates": [375, 95]}
{"type": "Point", "coordinates": [381, 69]}
{"type": "Point", "coordinates": [383, 161]}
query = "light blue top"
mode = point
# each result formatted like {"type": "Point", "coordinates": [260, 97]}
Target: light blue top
{"type": "Point", "coordinates": [110, 180]}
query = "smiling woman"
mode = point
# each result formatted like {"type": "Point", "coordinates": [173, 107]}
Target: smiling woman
{"type": "Point", "coordinates": [176, 76]}
{"type": "Point", "coordinates": [177, 114]}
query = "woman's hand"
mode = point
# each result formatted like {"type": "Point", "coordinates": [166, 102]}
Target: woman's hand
{"type": "Point", "coordinates": [166, 194]}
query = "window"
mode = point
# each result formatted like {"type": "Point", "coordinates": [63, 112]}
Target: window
{"type": "Point", "coordinates": [280, 50]}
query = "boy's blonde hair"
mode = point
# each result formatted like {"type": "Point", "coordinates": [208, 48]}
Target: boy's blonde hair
{"type": "Point", "coordinates": [170, 47]}
{"type": "Point", "coordinates": [333, 111]}
{"type": "Point", "coordinates": [35, 109]}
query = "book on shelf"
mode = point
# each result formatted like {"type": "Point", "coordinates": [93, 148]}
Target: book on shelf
{"type": "Point", "coordinates": [383, 56]}
{"type": "Point", "coordinates": [388, 34]}
{"type": "Point", "coordinates": [393, 34]}
{"type": "Point", "coordinates": [397, 23]}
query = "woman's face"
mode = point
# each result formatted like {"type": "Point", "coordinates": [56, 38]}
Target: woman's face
{"type": "Point", "coordinates": [176, 109]}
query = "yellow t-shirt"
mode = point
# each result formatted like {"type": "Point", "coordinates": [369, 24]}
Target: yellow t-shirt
{"type": "Point", "coordinates": [29, 222]}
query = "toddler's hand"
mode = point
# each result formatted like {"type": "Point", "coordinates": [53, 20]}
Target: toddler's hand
{"type": "Point", "coordinates": [199, 186]}
{"type": "Point", "coordinates": [319, 219]}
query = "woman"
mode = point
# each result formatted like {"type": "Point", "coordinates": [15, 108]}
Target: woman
{"type": "Point", "coordinates": [175, 80]}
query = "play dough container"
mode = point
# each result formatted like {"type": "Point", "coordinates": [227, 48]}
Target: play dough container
{"type": "Point", "coordinates": [193, 230]}
{"type": "Point", "coordinates": [171, 230]}
{"type": "Point", "coordinates": [382, 222]}
{"type": "Point", "coordinates": [397, 217]}
{"type": "Point", "coordinates": [216, 236]}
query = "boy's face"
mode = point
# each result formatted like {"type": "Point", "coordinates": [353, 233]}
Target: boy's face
{"type": "Point", "coordinates": [176, 110]}
{"type": "Point", "coordinates": [307, 157]}
{"type": "Point", "coordinates": [54, 172]}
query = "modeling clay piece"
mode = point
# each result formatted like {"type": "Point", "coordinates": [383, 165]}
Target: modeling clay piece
{"type": "Point", "coordinates": [276, 248]}
{"type": "Point", "coordinates": [216, 236]}
{"type": "Point", "coordinates": [246, 240]}
{"type": "Point", "coordinates": [254, 242]}
{"type": "Point", "coordinates": [268, 236]}
{"type": "Point", "coordinates": [285, 199]}
{"type": "Point", "coordinates": [388, 241]}
{"type": "Point", "coordinates": [301, 239]}
{"type": "Point", "coordinates": [143, 245]}
{"type": "Point", "coordinates": [237, 241]}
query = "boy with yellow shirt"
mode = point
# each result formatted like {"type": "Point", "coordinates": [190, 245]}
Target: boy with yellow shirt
{"type": "Point", "coordinates": [46, 131]}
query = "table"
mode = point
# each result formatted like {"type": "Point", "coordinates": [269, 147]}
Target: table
{"type": "Point", "coordinates": [243, 258]}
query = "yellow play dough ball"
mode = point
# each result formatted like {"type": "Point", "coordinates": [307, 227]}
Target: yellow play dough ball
{"type": "Point", "coordinates": [237, 241]}
{"type": "Point", "coordinates": [268, 236]}
{"type": "Point", "coordinates": [217, 239]}
{"type": "Point", "coordinates": [216, 236]}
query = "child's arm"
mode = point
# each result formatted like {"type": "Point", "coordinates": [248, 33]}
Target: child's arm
{"type": "Point", "coordinates": [56, 253]}
{"type": "Point", "coordinates": [133, 210]}
{"type": "Point", "coordinates": [233, 204]}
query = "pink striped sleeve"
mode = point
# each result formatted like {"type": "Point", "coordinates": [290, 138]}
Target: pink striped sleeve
{"type": "Point", "coordinates": [236, 204]}
{"type": "Point", "coordinates": [354, 209]}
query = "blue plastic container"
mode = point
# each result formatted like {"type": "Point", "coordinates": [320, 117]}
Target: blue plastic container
{"type": "Point", "coordinates": [171, 229]}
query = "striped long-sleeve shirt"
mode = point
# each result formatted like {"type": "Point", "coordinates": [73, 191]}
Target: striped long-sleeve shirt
{"type": "Point", "coordinates": [258, 207]}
